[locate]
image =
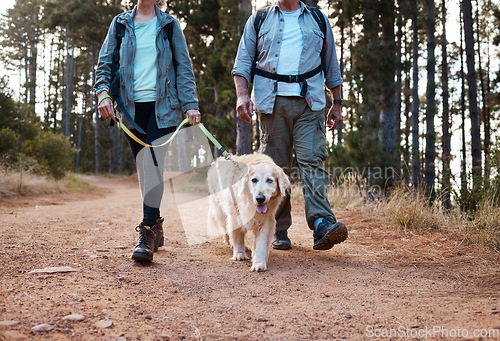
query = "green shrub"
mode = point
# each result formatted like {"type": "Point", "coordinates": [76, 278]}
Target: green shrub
{"type": "Point", "coordinates": [52, 151]}
{"type": "Point", "coordinates": [9, 141]}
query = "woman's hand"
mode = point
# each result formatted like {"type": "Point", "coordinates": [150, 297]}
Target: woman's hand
{"type": "Point", "coordinates": [106, 106]}
{"type": "Point", "coordinates": [194, 116]}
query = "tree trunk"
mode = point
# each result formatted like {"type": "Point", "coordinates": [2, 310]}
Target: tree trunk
{"type": "Point", "coordinates": [340, 127]}
{"type": "Point", "coordinates": [397, 122]}
{"type": "Point", "coordinates": [484, 96]}
{"type": "Point", "coordinates": [471, 81]}
{"type": "Point", "coordinates": [33, 63]}
{"type": "Point", "coordinates": [463, 168]}
{"type": "Point", "coordinates": [80, 119]}
{"type": "Point", "coordinates": [446, 139]}
{"type": "Point", "coordinates": [388, 84]}
{"type": "Point", "coordinates": [414, 132]}
{"type": "Point", "coordinates": [244, 129]}
{"type": "Point", "coordinates": [70, 57]}
{"type": "Point", "coordinates": [430, 112]}
{"type": "Point", "coordinates": [97, 146]}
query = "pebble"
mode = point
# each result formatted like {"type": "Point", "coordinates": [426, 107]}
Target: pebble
{"type": "Point", "coordinates": [348, 316]}
{"type": "Point", "coordinates": [74, 318]}
{"type": "Point", "coordinates": [52, 270]}
{"type": "Point", "coordinates": [9, 323]}
{"type": "Point", "coordinates": [106, 323]}
{"type": "Point", "coordinates": [102, 250]}
{"type": "Point", "coordinates": [44, 327]}
{"type": "Point", "coordinates": [121, 247]}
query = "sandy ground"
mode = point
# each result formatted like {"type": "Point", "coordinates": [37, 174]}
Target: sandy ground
{"type": "Point", "coordinates": [380, 282]}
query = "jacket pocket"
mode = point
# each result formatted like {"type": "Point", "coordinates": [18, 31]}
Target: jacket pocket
{"type": "Point", "coordinates": [264, 40]}
{"type": "Point", "coordinates": [173, 96]}
{"type": "Point", "coordinates": [317, 40]}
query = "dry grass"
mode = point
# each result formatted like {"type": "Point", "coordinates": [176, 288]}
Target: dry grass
{"type": "Point", "coordinates": [484, 227]}
{"type": "Point", "coordinates": [15, 183]}
{"type": "Point", "coordinates": [412, 211]}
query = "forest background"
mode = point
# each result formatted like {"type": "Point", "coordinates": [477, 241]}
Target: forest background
{"type": "Point", "coordinates": [421, 92]}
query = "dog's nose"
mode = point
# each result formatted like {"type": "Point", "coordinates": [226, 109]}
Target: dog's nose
{"type": "Point", "coordinates": [260, 198]}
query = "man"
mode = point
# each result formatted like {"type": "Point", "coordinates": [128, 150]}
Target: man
{"type": "Point", "coordinates": [291, 56]}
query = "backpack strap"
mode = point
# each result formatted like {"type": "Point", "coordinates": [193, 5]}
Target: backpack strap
{"type": "Point", "coordinates": [168, 32]}
{"type": "Point", "coordinates": [261, 15]}
{"type": "Point", "coordinates": [320, 19]}
{"type": "Point", "coordinates": [114, 87]}
{"type": "Point", "coordinates": [120, 33]}
{"type": "Point", "coordinates": [259, 18]}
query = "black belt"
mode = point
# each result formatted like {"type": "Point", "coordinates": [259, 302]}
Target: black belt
{"type": "Point", "coordinates": [292, 78]}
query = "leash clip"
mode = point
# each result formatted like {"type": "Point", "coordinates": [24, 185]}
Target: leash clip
{"type": "Point", "coordinates": [228, 158]}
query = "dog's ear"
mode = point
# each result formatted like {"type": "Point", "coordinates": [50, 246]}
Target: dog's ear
{"type": "Point", "coordinates": [283, 182]}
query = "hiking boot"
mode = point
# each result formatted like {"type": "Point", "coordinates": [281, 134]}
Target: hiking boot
{"type": "Point", "coordinates": [143, 252]}
{"type": "Point", "coordinates": [281, 241]}
{"type": "Point", "coordinates": [158, 230]}
{"type": "Point", "coordinates": [328, 233]}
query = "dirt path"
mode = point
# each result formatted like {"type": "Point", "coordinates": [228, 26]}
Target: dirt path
{"type": "Point", "coordinates": [380, 281]}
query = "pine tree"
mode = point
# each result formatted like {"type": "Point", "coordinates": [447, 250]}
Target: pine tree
{"type": "Point", "coordinates": [430, 147]}
{"type": "Point", "coordinates": [446, 138]}
{"type": "Point", "coordinates": [472, 86]}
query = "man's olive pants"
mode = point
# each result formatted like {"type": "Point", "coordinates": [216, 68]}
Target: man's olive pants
{"type": "Point", "coordinates": [294, 125]}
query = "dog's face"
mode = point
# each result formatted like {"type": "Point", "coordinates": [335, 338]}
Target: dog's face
{"type": "Point", "coordinates": [266, 182]}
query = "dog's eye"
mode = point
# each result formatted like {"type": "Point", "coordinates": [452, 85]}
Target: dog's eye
{"type": "Point", "coordinates": [254, 180]}
{"type": "Point", "coordinates": [269, 181]}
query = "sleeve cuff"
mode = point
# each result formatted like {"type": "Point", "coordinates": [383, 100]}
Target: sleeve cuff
{"type": "Point", "coordinates": [245, 75]}
{"type": "Point", "coordinates": [333, 84]}
{"type": "Point", "coordinates": [189, 106]}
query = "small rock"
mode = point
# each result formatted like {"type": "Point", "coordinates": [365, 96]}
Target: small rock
{"type": "Point", "coordinates": [107, 311]}
{"type": "Point", "coordinates": [131, 336]}
{"type": "Point", "coordinates": [44, 327]}
{"type": "Point", "coordinates": [348, 316]}
{"type": "Point", "coordinates": [260, 319]}
{"type": "Point", "coordinates": [74, 318]}
{"type": "Point", "coordinates": [53, 270]}
{"type": "Point", "coordinates": [164, 337]}
{"type": "Point", "coordinates": [102, 250]}
{"type": "Point", "coordinates": [13, 335]}
{"type": "Point", "coordinates": [121, 247]}
{"type": "Point", "coordinates": [106, 323]}
{"type": "Point", "coordinates": [148, 317]}
{"type": "Point", "coordinates": [9, 323]}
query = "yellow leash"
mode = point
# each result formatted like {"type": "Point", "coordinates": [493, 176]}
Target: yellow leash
{"type": "Point", "coordinates": [138, 140]}
{"type": "Point", "coordinates": [205, 131]}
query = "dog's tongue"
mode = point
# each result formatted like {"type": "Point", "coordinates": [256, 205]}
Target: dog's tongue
{"type": "Point", "coordinates": [262, 208]}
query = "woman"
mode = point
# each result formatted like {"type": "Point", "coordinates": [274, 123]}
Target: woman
{"type": "Point", "coordinates": [155, 93]}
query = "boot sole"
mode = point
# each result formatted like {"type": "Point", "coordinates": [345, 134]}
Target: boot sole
{"type": "Point", "coordinates": [337, 235]}
{"type": "Point", "coordinates": [282, 246]}
{"type": "Point", "coordinates": [142, 257]}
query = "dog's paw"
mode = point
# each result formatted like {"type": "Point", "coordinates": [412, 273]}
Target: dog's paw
{"type": "Point", "coordinates": [239, 256]}
{"type": "Point", "coordinates": [258, 267]}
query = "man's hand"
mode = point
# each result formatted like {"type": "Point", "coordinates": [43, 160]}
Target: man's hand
{"type": "Point", "coordinates": [244, 107]}
{"type": "Point", "coordinates": [194, 116]}
{"type": "Point", "coordinates": [106, 106]}
{"type": "Point", "coordinates": [334, 116]}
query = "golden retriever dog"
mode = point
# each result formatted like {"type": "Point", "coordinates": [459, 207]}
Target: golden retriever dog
{"type": "Point", "coordinates": [245, 193]}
